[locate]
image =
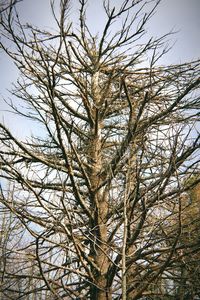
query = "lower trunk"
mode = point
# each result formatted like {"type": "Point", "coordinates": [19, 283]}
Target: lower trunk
{"type": "Point", "coordinates": [100, 251]}
{"type": "Point", "coordinates": [99, 290]}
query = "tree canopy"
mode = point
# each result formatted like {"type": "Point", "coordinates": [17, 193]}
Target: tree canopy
{"type": "Point", "coordinates": [99, 189]}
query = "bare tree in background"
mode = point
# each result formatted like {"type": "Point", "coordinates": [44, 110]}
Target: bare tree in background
{"type": "Point", "coordinates": [186, 271]}
{"type": "Point", "coordinates": [101, 182]}
{"type": "Point", "coordinates": [12, 254]}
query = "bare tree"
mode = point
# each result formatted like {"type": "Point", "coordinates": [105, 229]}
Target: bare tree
{"type": "Point", "coordinates": [186, 272]}
{"type": "Point", "coordinates": [11, 233]}
{"type": "Point", "coordinates": [100, 186]}
{"type": "Point", "coordinates": [17, 258]}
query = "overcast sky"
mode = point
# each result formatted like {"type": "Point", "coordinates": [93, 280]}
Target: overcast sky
{"type": "Point", "coordinates": [179, 15]}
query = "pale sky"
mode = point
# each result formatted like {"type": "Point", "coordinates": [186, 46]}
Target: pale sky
{"type": "Point", "coordinates": [179, 15]}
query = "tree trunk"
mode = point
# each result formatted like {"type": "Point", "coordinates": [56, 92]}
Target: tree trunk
{"type": "Point", "coordinates": [99, 249]}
